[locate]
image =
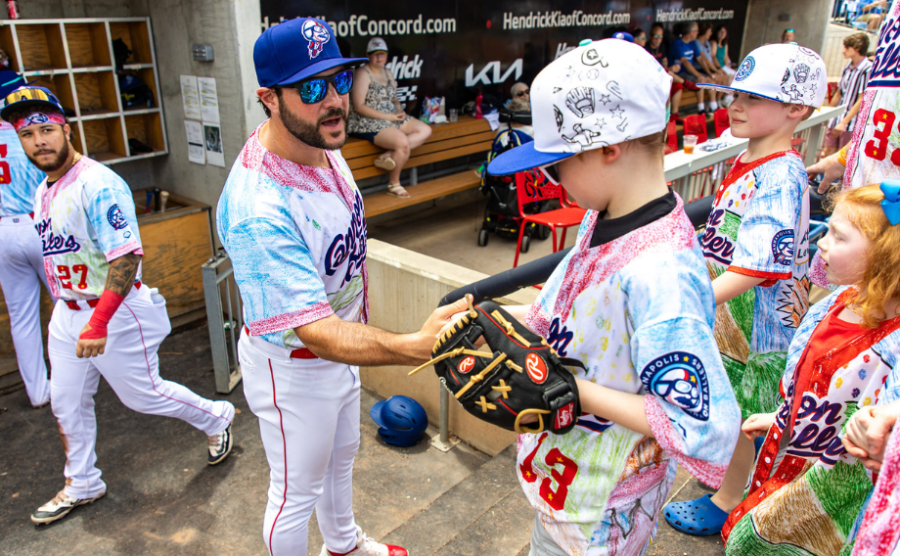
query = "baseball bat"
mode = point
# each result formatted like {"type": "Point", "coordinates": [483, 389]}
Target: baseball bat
{"type": "Point", "coordinates": [539, 270]}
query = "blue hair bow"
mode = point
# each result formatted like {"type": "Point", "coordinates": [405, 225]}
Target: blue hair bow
{"type": "Point", "coordinates": [891, 203]}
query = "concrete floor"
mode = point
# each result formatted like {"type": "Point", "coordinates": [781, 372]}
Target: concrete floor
{"type": "Point", "coordinates": [163, 498]}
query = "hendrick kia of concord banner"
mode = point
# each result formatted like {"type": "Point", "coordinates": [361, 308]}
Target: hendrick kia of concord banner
{"type": "Point", "coordinates": [456, 49]}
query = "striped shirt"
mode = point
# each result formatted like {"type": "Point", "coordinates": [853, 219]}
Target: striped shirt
{"type": "Point", "coordinates": [853, 83]}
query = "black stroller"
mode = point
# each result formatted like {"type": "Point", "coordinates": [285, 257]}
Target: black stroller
{"type": "Point", "coordinates": [501, 216]}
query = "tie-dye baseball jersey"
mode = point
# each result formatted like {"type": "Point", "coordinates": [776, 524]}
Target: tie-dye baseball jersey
{"type": "Point", "coordinates": [19, 178]}
{"type": "Point", "coordinates": [296, 236]}
{"type": "Point", "coordinates": [85, 219]}
{"type": "Point", "coordinates": [638, 312]}
{"type": "Point", "coordinates": [759, 226]}
{"type": "Point", "coordinates": [806, 491]}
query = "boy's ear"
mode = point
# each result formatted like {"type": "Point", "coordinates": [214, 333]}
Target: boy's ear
{"type": "Point", "coordinates": [611, 153]}
{"type": "Point", "coordinates": [799, 110]}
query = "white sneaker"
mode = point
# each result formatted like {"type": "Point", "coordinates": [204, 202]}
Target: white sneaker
{"type": "Point", "coordinates": [726, 102]}
{"type": "Point", "coordinates": [713, 106]}
{"type": "Point", "coordinates": [219, 446]}
{"type": "Point", "coordinates": [367, 546]}
{"type": "Point", "coordinates": [701, 108]}
{"type": "Point", "coordinates": [60, 507]}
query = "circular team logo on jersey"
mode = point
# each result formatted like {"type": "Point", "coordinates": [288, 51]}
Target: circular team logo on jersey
{"type": "Point", "coordinates": [317, 35]}
{"type": "Point", "coordinates": [466, 365]}
{"type": "Point", "coordinates": [679, 378]}
{"type": "Point", "coordinates": [746, 69]}
{"type": "Point", "coordinates": [116, 218]}
{"type": "Point", "coordinates": [536, 368]}
{"type": "Point", "coordinates": [783, 247]}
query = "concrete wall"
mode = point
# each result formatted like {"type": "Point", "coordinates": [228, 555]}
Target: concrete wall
{"type": "Point", "coordinates": [809, 18]}
{"type": "Point", "coordinates": [404, 288]}
{"type": "Point", "coordinates": [231, 27]}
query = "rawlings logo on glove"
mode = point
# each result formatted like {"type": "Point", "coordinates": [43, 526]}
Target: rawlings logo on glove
{"type": "Point", "coordinates": [522, 375]}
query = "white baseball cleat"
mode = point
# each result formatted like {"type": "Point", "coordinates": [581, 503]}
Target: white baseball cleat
{"type": "Point", "coordinates": [367, 546]}
{"type": "Point", "coordinates": [60, 507]}
{"type": "Point", "coordinates": [219, 446]}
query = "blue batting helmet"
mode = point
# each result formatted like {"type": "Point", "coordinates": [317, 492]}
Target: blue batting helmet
{"type": "Point", "coordinates": [401, 420]}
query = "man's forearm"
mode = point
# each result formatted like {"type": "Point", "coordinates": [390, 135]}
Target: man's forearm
{"type": "Point", "coordinates": [353, 343]}
{"type": "Point", "coordinates": [122, 272]}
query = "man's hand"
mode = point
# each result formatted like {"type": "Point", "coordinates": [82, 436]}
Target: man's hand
{"type": "Point", "coordinates": [830, 167]}
{"type": "Point", "coordinates": [89, 348]}
{"type": "Point", "coordinates": [867, 433]}
{"type": "Point", "coordinates": [758, 425]}
{"type": "Point", "coordinates": [440, 318]}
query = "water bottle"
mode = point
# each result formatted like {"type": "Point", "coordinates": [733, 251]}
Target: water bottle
{"type": "Point", "coordinates": [478, 100]}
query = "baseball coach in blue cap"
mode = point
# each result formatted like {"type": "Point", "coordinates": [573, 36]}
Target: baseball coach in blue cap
{"type": "Point", "coordinates": [291, 218]}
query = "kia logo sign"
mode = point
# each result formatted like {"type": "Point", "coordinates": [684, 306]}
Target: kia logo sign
{"type": "Point", "coordinates": [467, 364]}
{"type": "Point", "coordinates": [536, 368]}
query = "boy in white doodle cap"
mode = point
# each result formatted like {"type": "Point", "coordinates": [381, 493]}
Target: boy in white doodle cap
{"type": "Point", "coordinates": [756, 245]}
{"type": "Point", "coordinates": [632, 301]}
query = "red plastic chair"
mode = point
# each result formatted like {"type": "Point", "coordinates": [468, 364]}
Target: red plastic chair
{"type": "Point", "coordinates": [695, 124]}
{"type": "Point", "coordinates": [672, 140]}
{"type": "Point", "coordinates": [721, 121]}
{"type": "Point", "coordinates": [533, 186]}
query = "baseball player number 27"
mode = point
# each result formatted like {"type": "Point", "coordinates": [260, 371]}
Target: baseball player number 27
{"type": "Point", "coordinates": [556, 499]}
{"type": "Point", "coordinates": [65, 276]}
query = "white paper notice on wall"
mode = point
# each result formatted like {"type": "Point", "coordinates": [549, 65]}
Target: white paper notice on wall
{"type": "Point", "coordinates": [196, 152]}
{"type": "Point", "coordinates": [209, 100]}
{"type": "Point", "coordinates": [190, 97]}
{"type": "Point", "coordinates": [215, 153]}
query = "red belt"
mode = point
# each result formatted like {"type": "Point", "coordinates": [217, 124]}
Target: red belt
{"type": "Point", "coordinates": [301, 353]}
{"type": "Point", "coordinates": [93, 302]}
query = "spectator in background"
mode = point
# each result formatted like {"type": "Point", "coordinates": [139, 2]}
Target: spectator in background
{"type": "Point", "coordinates": [850, 91]}
{"type": "Point", "coordinates": [719, 44]}
{"type": "Point", "coordinates": [657, 48]}
{"type": "Point", "coordinates": [686, 52]}
{"type": "Point", "coordinates": [788, 36]}
{"type": "Point", "coordinates": [377, 116]}
{"type": "Point", "coordinates": [711, 65]}
{"type": "Point", "coordinates": [520, 91]}
{"type": "Point", "coordinates": [640, 37]}
{"type": "Point", "coordinates": [872, 14]}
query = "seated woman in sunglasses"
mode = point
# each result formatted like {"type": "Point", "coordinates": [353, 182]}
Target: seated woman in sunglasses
{"type": "Point", "coordinates": [377, 117]}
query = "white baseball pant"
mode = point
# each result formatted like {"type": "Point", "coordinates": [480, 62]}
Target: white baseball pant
{"type": "Point", "coordinates": [131, 367]}
{"type": "Point", "coordinates": [21, 274]}
{"type": "Point", "coordinates": [308, 412]}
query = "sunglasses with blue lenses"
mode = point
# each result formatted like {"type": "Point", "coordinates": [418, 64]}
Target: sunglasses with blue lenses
{"type": "Point", "coordinates": [314, 90]}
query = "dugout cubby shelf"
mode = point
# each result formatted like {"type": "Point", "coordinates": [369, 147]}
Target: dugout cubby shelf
{"type": "Point", "coordinates": [74, 59]}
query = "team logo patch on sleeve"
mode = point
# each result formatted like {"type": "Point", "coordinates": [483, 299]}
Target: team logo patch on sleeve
{"type": "Point", "coordinates": [116, 218]}
{"type": "Point", "coordinates": [679, 378]}
{"type": "Point", "coordinates": [783, 247]}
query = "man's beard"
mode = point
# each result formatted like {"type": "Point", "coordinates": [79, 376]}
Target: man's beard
{"type": "Point", "coordinates": [54, 164]}
{"type": "Point", "coordinates": [309, 133]}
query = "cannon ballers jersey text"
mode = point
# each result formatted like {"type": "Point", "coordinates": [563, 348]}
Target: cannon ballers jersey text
{"type": "Point", "coordinates": [297, 238]}
{"type": "Point", "coordinates": [759, 226]}
{"type": "Point", "coordinates": [85, 219]}
{"type": "Point", "coordinates": [598, 489]}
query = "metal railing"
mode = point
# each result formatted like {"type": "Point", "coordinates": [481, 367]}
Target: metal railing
{"type": "Point", "coordinates": [224, 314]}
{"type": "Point", "coordinates": [697, 175]}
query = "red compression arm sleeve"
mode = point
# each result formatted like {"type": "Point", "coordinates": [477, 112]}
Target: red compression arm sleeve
{"type": "Point", "coordinates": [104, 311]}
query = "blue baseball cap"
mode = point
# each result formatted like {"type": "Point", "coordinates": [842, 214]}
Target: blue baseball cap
{"type": "Point", "coordinates": [296, 49]}
{"type": "Point", "coordinates": [28, 97]}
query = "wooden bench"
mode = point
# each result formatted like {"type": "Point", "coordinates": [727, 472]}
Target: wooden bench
{"type": "Point", "coordinates": [451, 140]}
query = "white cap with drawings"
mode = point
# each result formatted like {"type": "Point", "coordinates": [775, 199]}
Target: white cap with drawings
{"type": "Point", "coordinates": [787, 73]}
{"type": "Point", "coordinates": [599, 94]}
